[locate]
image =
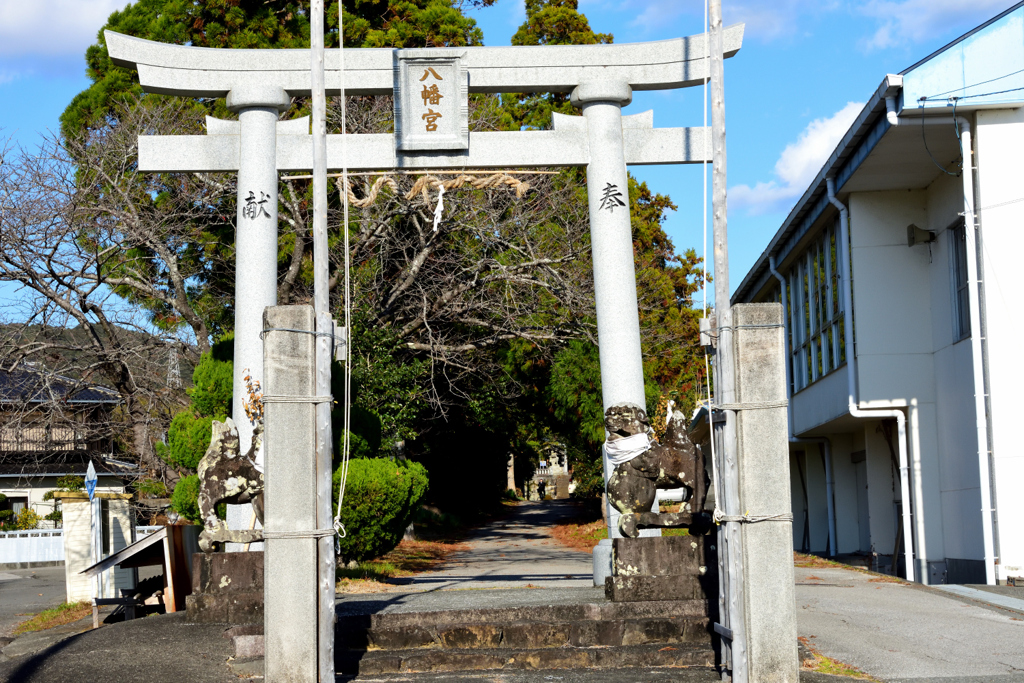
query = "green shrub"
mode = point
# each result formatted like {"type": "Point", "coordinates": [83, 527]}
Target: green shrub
{"type": "Point", "coordinates": [27, 519]}
{"type": "Point", "coordinates": [151, 488]}
{"type": "Point", "coordinates": [187, 440]}
{"type": "Point", "coordinates": [70, 482]}
{"type": "Point", "coordinates": [211, 391]}
{"type": "Point", "coordinates": [366, 431]}
{"type": "Point", "coordinates": [185, 499]}
{"type": "Point", "coordinates": [381, 496]}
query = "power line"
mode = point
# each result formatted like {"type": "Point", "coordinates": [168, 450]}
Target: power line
{"type": "Point", "coordinates": [975, 85]}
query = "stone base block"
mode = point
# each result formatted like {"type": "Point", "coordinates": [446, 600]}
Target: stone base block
{"type": "Point", "coordinates": [227, 588]}
{"type": "Point", "coordinates": [658, 556]}
{"type": "Point", "coordinates": [665, 568]}
{"type": "Point", "coordinates": [645, 588]}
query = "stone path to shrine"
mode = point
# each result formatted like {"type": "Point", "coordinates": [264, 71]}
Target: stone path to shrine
{"type": "Point", "coordinates": [516, 551]}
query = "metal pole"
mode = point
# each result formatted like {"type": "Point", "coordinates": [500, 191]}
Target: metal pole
{"type": "Point", "coordinates": [96, 526]}
{"type": "Point", "coordinates": [324, 346]}
{"type": "Point", "coordinates": [726, 369]}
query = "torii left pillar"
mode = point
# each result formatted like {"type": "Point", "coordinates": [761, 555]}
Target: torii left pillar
{"type": "Point", "coordinates": [258, 109]}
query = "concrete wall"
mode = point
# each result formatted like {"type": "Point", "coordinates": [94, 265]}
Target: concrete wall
{"type": "Point", "coordinates": [820, 402]}
{"type": "Point", "coordinates": [1000, 148]}
{"type": "Point", "coordinates": [893, 297]}
{"type": "Point", "coordinates": [78, 548]}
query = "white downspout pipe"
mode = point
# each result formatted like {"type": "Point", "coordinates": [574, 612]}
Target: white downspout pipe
{"type": "Point", "coordinates": [851, 377]}
{"type": "Point", "coordinates": [978, 351]}
{"type": "Point", "coordinates": [829, 480]}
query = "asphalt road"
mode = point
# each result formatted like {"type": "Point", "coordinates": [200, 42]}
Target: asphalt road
{"type": "Point", "coordinates": [27, 591]}
{"type": "Point", "coordinates": [903, 633]}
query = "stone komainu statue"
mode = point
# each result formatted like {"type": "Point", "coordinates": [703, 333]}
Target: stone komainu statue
{"type": "Point", "coordinates": [642, 466]}
{"type": "Point", "coordinates": [226, 475]}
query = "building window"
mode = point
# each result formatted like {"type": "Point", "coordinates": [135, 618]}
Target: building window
{"type": "Point", "coordinates": [816, 325]}
{"type": "Point", "coordinates": [958, 281]}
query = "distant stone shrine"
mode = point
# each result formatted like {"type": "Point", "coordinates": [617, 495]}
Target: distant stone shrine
{"type": "Point", "coordinates": [430, 88]}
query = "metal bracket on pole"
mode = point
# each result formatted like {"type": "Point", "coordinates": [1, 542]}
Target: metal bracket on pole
{"type": "Point", "coordinates": [340, 342]}
{"type": "Point", "coordinates": [708, 332]}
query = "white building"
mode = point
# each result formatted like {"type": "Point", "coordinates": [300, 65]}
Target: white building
{"type": "Point", "coordinates": [897, 315]}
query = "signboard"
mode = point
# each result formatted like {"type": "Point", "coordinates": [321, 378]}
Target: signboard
{"type": "Point", "coordinates": [90, 480]}
{"type": "Point", "coordinates": [431, 100]}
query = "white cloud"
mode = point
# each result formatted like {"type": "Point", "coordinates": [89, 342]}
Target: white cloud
{"type": "Point", "coordinates": [916, 20]}
{"type": "Point", "coordinates": [764, 21]}
{"type": "Point", "coordinates": [657, 13]}
{"type": "Point", "coordinates": [797, 165]}
{"type": "Point", "coordinates": [52, 27]}
{"type": "Point", "coordinates": [771, 20]}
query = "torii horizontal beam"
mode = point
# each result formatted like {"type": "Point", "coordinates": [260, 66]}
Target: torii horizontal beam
{"type": "Point", "coordinates": [566, 145]}
{"type": "Point", "coordinates": [211, 72]}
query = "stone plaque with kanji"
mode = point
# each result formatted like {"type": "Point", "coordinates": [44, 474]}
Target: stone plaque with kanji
{"type": "Point", "coordinates": [431, 100]}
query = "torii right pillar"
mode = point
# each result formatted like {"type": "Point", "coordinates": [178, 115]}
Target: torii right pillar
{"type": "Point", "coordinates": [611, 239]}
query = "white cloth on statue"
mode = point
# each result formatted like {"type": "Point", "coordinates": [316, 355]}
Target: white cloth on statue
{"type": "Point", "coordinates": [625, 449]}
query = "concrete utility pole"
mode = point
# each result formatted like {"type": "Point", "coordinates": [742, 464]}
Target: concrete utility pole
{"type": "Point", "coordinates": [291, 564]}
{"type": "Point", "coordinates": [730, 542]}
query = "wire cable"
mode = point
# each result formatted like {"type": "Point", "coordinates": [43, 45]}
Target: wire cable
{"type": "Point", "coordinates": [347, 293]}
{"type": "Point", "coordinates": [975, 85]}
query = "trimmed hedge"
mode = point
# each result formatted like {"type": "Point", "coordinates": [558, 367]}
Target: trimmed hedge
{"type": "Point", "coordinates": [211, 390]}
{"type": "Point", "coordinates": [185, 499]}
{"type": "Point", "coordinates": [381, 496]}
{"type": "Point", "coordinates": [187, 440]}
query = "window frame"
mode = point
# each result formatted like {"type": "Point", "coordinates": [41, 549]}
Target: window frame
{"type": "Point", "coordinates": [816, 322]}
{"type": "Point", "coordinates": [959, 284]}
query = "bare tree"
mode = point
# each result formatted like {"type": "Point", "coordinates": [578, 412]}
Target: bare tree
{"type": "Point", "coordinates": [103, 267]}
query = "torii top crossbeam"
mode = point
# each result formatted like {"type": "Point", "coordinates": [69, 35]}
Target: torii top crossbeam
{"type": "Point", "coordinates": [210, 72]}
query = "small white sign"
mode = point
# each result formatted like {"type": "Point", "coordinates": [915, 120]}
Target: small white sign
{"type": "Point", "coordinates": [431, 100]}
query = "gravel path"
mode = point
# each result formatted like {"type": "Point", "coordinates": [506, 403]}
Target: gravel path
{"type": "Point", "coordinates": [514, 552]}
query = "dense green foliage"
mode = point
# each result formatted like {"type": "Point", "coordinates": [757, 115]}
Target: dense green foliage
{"type": "Point", "coordinates": [381, 497]}
{"type": "Point", "coordinates": [211, 390]}
{"type": "Point", "coordinates": [185, 499]}
{"type": "Point", "coordinates": [187, 440]}
{"type": "Point", "coordinates": [189, 435]}
{"type": "Point", "coordinates": [5, 515]}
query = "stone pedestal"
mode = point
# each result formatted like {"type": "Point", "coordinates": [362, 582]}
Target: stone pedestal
{"type": "Point", "coordinates": [227, 588]}
{"type": "Point", "coordinates": [666, 568]}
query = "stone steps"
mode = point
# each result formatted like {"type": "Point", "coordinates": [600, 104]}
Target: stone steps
{"type": "Point", "coordinates": [375, 662]}
{"type": "Point", "coordinates": [593, 624]}
{"type": "Point", "coordinates": [669, 633]}
{"type": "Point", "coordinates": [527, 634]}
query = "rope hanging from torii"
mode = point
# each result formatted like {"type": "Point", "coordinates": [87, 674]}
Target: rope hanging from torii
{"type": "Point", "coordinates": [424, 183]}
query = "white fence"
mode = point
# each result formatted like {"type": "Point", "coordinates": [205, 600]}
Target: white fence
{"type": "Point", "coordinates": [35, 545]}
{"type": "Point", "coordinates": [142, 531]}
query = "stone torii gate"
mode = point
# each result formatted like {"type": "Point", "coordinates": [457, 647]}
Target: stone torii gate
{"type": "Point", "coordinates": [430, 87]}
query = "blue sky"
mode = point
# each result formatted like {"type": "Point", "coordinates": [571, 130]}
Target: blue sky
{"type": "Point", "coordinates": [806, 68]}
